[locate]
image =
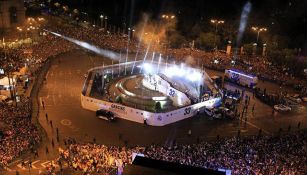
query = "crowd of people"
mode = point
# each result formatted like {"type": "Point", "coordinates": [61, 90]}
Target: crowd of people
{"type": "Point", "coordinates": [253, 155]}
{"type": "Point", "coordinates": [258, 65]}
{"type": "Point", "coordinates": [50, 45]}
{"type": "Point", "coordinates": [18, 134]}
{"type": "Point", "coordinates": [90, 158]}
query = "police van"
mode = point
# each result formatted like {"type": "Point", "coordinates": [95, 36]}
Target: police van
{"type": "Point", "coordinates": [241, 78]}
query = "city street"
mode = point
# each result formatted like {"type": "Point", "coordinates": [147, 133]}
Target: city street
{"type": "Point", "coordinates": [153, 87]}
{"type": "Point", "coordinates": [61, 96]}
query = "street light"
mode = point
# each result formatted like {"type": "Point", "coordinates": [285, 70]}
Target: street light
{"type": "Point", "coordinates": [216, 22]}
{"type": "Point", "coordinates": [101, 20]}
{"type": "Point", "coordinates": [106, 22]}
{"type": "Point", "coordinates": [258, 30]}
{"type": "Point", "coordinates": [168, 17]}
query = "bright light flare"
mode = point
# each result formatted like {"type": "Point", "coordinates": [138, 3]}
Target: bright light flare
{"type": "Point", "coordinates": [99, 51]}
{"type": "Point", "coordinates": [182, 71]}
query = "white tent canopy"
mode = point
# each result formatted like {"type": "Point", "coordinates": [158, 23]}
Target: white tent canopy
{"type": "Point", "coordinates": [5, 81]}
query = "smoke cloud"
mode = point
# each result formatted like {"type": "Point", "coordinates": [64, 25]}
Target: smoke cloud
{"type": "Point", "coordinates": [154, 32]}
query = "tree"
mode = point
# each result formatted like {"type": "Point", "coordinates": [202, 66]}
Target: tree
{"type": "Point", "coordinates": [206, 40]}
{"type": "Point", "coordinates": [195, 31]}
{"type": "Point", "coordinates": [176, 40]}
{"type": "Point", "coordinates": [248, 48]}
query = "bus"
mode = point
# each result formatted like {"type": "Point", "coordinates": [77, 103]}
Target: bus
{"type": "Point", "coordinates": [241, 78]}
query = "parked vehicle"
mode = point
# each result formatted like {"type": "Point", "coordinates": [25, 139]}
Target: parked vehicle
{"type": "Point", "coordinates": [214, 113]}
{"type": "Point", "coordinates": [294, 99]}
{"type": "Point", "coordinates": [105, 115]}
{"type": "Point", "coordinates": [282, 108]}
{"type": "Point", "coordinates": [227, 113]}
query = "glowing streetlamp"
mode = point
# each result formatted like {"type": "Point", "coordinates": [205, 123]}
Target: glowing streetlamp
{"type": "Point", "coordinates": [101, 20]}
{"type": "Point", "coordinates": [106, 22]}
{"type": "Point", "coordinates": [168, 17]}
{"type": "Point", "coordinates": [216, 23]}
{"type": "Point", "coordinates": [258, 30]}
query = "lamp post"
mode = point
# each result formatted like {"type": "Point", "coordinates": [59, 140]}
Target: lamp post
{"type": "Point", "coordinates": [106, 22]}
{"type": "Point", "coordinates": [101, 20]}
{"type": "Point", "coordinates": [216, 23]}
{"type": "Point", "coordinates": [168, 18]}
{"type": "Point", "coordinates": [258, 30]}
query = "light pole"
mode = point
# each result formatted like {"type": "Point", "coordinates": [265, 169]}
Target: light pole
{"type": "Point", "coordinates": [258, 30]}
{"type": "Point", "coordinates": [216, 23]}
{"type": "Point", "coordinates": [106, 22]}
{"type": "Point", "coordinates": [101, 20]}
{"type": "Point", "coordinates": [167, 18]}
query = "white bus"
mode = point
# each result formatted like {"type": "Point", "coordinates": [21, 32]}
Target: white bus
{"type": "Point", "coordinates": [241, 78]}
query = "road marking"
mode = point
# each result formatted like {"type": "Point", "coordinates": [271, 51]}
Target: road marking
{"type": "Point", "coordinates": [35, 163]}
{"type": "Point", "coordinates": [44, 164]}
{"type": "Point", "coordinates": [17, 161]}
{"type": "Point", "coordinates": [241, 130]}
{"type": "Point", "coordinates": [20, 166]}
{"type": "Point", "coordinates": [8, 169]}
{"type": "Point", "coordinates": [265, 131]}
{"type": "Point", "coordinates": [47, 74]}
{"type": "Point", "coordinates": [66, 122]}
{"type": "Point", "coordinates": [41, 101]}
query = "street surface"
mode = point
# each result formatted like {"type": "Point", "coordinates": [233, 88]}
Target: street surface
{"type": "Point", "coordinates": [61, 97]}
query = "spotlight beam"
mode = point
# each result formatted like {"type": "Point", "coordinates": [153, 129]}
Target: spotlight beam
{"type": "Point", "coordinates": [103, 52]}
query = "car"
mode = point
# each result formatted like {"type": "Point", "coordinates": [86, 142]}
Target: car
{"type": "Point", "coordinates": [282, 108]}
{"type": "Point", "coordinates": [105, 115]}
{"type": "Point", "coordinates": [227, 112]}
{"type": "Point", "coordinates": [213, 113]}
{"type": "Point", "coordinates": [296, 100]}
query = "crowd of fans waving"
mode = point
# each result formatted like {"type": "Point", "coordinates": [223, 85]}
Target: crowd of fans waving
{"type": "Point", "coordinates": [50, 45]}
{"type": "Point", "coordinates": [18, 134]}
{"type": "Point", "coordinates": [253, 155]}
{"type": "Point", "coordinates": [278, 154]}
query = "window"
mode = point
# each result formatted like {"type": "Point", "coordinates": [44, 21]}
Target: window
{"type": "Point", "coordinates": [13, 15]}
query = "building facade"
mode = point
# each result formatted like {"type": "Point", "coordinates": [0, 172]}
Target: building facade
{"type": "Point", "coordinates": [12, 13]}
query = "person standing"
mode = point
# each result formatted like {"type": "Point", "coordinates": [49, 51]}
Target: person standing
{"type": "Point", "coordinates": [43, 103]}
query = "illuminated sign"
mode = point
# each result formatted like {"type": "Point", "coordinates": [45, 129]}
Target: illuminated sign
{"type": "Point", "coordinates": [1, 71]}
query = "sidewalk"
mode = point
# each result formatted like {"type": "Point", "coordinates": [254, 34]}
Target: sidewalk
{"type": "Point", "coordinates": [46, 150]}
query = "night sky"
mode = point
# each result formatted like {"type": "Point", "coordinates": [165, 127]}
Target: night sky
{"type": "Point", "coordinates": [282, 17]}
